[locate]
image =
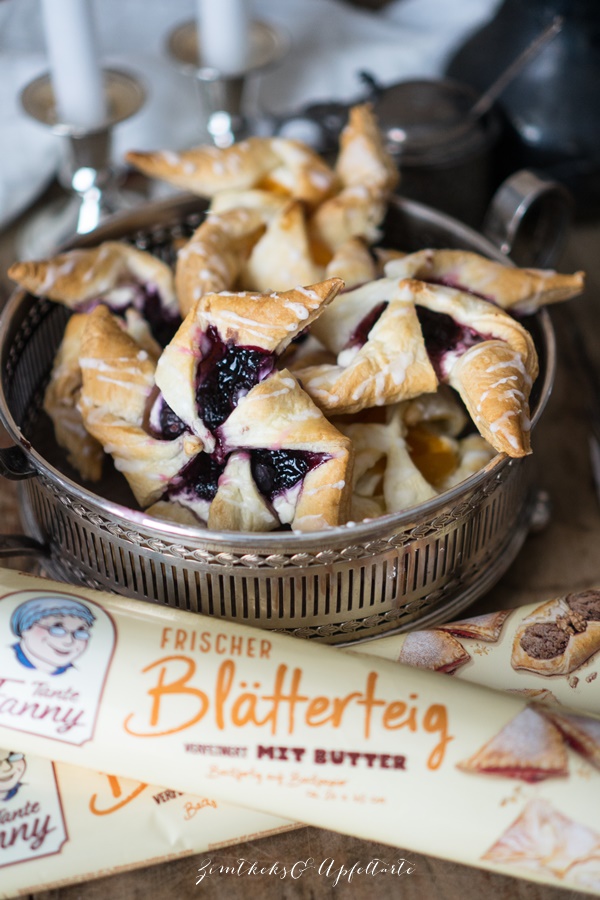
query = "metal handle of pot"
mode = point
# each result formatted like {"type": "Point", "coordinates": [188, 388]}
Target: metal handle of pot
{"type": "Point", "coordinates": [15, 465]}
{"type": "Point", "coordinates": [529, 219]}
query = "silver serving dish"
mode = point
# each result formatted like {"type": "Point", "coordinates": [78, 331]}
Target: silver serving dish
{"type": "Point", "coordinates": [349, 583]}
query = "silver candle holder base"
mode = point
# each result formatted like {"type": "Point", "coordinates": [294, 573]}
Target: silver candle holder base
{"type": "Point", "coordinates": [92, 186]}
{"type": "Point", "coordinates": [224, 96]}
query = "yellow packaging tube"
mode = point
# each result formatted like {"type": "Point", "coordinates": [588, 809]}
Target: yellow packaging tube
{"type": "Point", "coordinates": [343, 741]}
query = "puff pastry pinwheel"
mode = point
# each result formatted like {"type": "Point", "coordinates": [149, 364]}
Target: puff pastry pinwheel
{"type": "Point", "coordinates": [227, 344]}
{"type": "Point", "coordinates": [113, 273]}
{"type": "Point", "coordinates": [381, 358]}
{"type": "Point", "coordinates": [298, 461]}
{"type": "Point", "coordinates": [276, 164]}
{"type": "Point", "coordinates": [366, 175]}
{"type": "Point", "coordinates": [212, 259]}
{"type": "Point", "coordinates": [522, 290]}
{"type": "Point", "coordinates": [485, 355]}
{"type": "Point", "coordinates": [117, 386]}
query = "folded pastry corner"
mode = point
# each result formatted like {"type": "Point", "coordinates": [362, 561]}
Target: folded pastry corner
{"type": "Point", "coordinates": [484, 354]}
{"type": "Point", "coordinates": [381, 356]}
{"type": "Point", "coordinates": [544, 840]}
{"type": "Point", "coordinates": [274, 164]}
{"type": "Point", "coordinates": [114, 273]}
{"type": "Point", "coordinates": [282, 258]}
{"type": "Point", "coordinates": [117, 386]}
{"type": "Point", "coordinates": [529, 747]}
{"type": "Point", "coordinates": [383, 467]}
{"type": "Point", "coordinates": [212, 259]}
{"type": "Point", "coordinates": [229, 342]}
{"type": "Point", "coordinates": [299, 462]}
{"type": "Point", "coordinates": [207, 170]}
{"type": "Point", "coordinates": [520, 290]}
{"type": "Point", "coordinates": [435, 650]}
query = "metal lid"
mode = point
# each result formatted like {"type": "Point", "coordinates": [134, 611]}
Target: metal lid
{"type": "Point", "coordinates": [429, 121]}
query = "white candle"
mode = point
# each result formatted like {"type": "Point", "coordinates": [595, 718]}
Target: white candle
{"type": "Point", "coordinates": [224, 34]}
{"type": "Point", "coordinates": [74, 62]}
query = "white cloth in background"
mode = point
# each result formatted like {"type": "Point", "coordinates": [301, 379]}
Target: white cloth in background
{"type": "Point", "coordinates": [331, 42]}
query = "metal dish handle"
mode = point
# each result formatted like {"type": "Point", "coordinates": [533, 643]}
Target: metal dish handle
{"type": "Point", "coordinates": [15, 465]}
{"type": "Point", "coordinates": [529, 219]}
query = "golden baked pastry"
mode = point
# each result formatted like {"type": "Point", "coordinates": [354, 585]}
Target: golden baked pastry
{"type": "Point", "coordinates": [381, 356]}
{"type": "Point", "coordinates": [213, 258]}
{"type": "Point", "coordinates": [435, 650]}
{"type": "Point", "coordinates": [117, 387]}
{"type": "Point", "coordinates": [486, 627]}
{"type": "Point", "coordinates": [544, 840]}
{"type": "Point", "coordinates": [485, 355]}
{"type": "Point", "coordinates": [582, 733]}
{"type": "Point", "coordinates": [522, 290]}
{"type": "Point", "coordinates": [299, 461]}
{"type": "Point", "coordinates": [276, 164]}
{"type": "Point", "coordinates": [114, 273]}
{"type": "Point", "coordinates": [61, 401]}
{"type": "Point", "coordinates": [529, 747]}
{"type": "Point", "coordinates": [383, 469]}
{"type": "Point", "coordinates": [367, 176]}
{"type": "Point", "coordinates": [559, 636]}
{"type": "Point", "coordinates": [282, 257]}
{"type": "Point", "coordinates": [226, 344]}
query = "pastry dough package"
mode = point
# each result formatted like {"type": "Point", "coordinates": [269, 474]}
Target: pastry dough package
{"type": "Point", "coordinates": [280, 728]}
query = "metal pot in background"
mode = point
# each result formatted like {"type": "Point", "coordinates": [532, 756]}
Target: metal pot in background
{"type": "Point", "coordinates": [552, 107]}
{"type": "Point", "coordinates": [445, 156]}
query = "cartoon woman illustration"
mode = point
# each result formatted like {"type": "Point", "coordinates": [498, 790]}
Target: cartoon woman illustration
{"type": "Point", "coordinates": [53, 632]}
{"type": "Point", "coordinates": [12, 769]}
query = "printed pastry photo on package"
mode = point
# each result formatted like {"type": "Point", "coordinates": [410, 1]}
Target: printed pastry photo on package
{"type": "Point", "coordinates": [307, 733]}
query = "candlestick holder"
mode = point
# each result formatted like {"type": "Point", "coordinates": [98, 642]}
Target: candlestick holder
{"type": "Point", "coordinates": [92, 185]}
{"type": "Point", "coordinates": [224, 96]}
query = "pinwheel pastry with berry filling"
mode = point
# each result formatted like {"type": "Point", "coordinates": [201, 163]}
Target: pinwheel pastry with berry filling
{"type": "Point", "coordinates": [115, 274]}
{"type": "Point", "coordinates": [212, 259]}
{"type": "Point", "coordinates": [227, 343]}
{"type": "Point", "coordinates": [521, 290]}
{"type": "Point", "coordinates": [117, 388]}
{"type": "Point", "coordinates": [485, 355]}
{"type": "Point", "coordinates": [381, 358]}
{"type": "Point", "coordinates": [293, 463]}
{"type": "Point", "coordinates": [366, 176]}
{"type": "Point", "coordinates": [275, 164]}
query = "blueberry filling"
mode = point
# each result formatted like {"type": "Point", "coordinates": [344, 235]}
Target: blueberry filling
{"type": "Point", "coordinates": [163, 423]}
{"type": "Point", "coordinates": [200, 478]}
{"type": "Point", "coordinates": [444, 335]}
{"type": "Point", "coordinates": [361, 332]}
{"type": "Point", "coordinates": [276, 471]}
{"type": "Point", "coordinates": [163, 323]}
{"type": "Point", "coordinates": [146, 299]}
{"type": "Point", "coordinates": [225, 374]}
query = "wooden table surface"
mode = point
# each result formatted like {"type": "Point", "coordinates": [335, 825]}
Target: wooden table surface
{"type": "Point", "coordinates": [565, 556]}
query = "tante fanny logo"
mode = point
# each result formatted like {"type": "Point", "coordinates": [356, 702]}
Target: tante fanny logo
{"type": "Point", "coordinates": [31, 817]}
{"type": "Point", "coordinates": [55, 653]}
